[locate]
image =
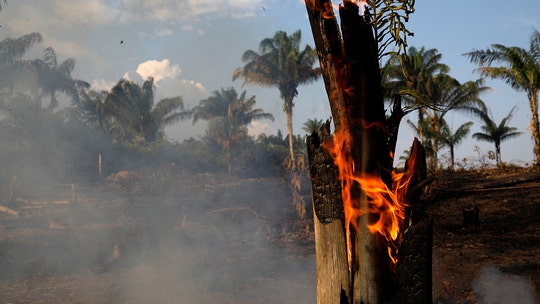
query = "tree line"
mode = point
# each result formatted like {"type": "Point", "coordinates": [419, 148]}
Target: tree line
{"type": "Point", "coordinates": [127, 125]}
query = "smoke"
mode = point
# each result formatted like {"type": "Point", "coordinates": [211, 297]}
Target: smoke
{"type": "Point", "coordinates": [183, 238]}
{"type": "Point", "coordinates": [493, 287]}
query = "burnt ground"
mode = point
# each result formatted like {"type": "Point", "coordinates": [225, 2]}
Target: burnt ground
{"type": "Point", "coordinates": [205, 238]}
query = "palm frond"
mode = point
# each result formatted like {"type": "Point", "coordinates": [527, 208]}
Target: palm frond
{"type": "Point", "coordinates": [388, 20]}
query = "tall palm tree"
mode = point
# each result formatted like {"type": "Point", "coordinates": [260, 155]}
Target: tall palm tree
{"type": "Point", "coordinates": [423, 81]}
{"type": "Point", "coordinates": [280, 63]}
{"type": "Point", "coordinates": [11, 53]}
{"type": "Point", "coordinates": [449, 95]}
{"type": "Point", "coordinates": [520, 69]}
{"type": "Point", "coordinates": [94, 109]}
{"type": "Point", "coordinates": [54, 77]}
{"type": "Point", "coordinates": [497, 133]}
{"type": "Point", "coordinates": [228, 114]}
{"type": "Point", "coordinates": [312, 125]}
{"type": "Point", "coordinates": [12, 50]}
{"type": "Point", "coordinates": [451, 140]}
{"type": "Point", "coordinates": [227, 102]}
{"type": "Point", "coordinates": [136, 118]}
{"type": "Point", "coordinates": [445, 95]}
{"type": "Point", "coordinates": [410, 73]}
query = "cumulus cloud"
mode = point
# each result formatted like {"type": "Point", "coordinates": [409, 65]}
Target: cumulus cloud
{"type": "Point", "coordinates": [255, 128]}
{"type": "Point", "coordinates": [196, 84]}
{"type": "Point", "coordinates": [158, 69]}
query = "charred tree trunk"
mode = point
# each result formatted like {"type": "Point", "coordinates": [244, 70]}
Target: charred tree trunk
{"type": "Point", "coordinates": [350, 69]}
{"type": "Point", "coordinates": [333, 284]}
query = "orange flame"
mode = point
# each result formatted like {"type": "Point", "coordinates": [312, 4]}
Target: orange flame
{"type": "Point", "coordinates": [387, 203]}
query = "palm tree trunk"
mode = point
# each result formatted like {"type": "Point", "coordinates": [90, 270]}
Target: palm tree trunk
{"type": "Point", "coordinates": [498, 153]}
{"type": "Point", "coordinates": [535, 125]}
{"type": "Point", "coordinates": [452, 158]}
{"type": "Point", "coordinates": [52, 105]}
{"type": "Point", "coordinates": [229, 160]}
{"type": "Point", "coordinates": [288, 118]}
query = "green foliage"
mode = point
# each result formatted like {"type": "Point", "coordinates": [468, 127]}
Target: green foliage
{"type": "Point", "coordinates": [312, 125]}
{"type": "Point", "coordinates": [134, 117]}
{"type": "Point", "coordinates": [452, 139]}
{"type": "Point", "coordinates": [388, 19]}
{"type": "Point", "coordinates": [228, 115]}
{"type": "Point", "coordinates": [520, 68]}
{"type": "Point", "coordinates": [497, 133]}
{"type": "Point", "coordinates": [422, 80]}
{"type": "Point", "coordinates": [54, 77]}
{"type": "Point", "coordinates": [280, 63]}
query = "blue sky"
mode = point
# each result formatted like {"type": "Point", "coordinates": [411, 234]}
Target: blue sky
{"type": "Point", "coordinates": [191, 48]}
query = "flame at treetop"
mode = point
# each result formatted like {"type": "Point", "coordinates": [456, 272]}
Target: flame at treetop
{"type": "Point", "coordinates": [387, 203]}
{"type": "Point", "coordinates": [327, 10]}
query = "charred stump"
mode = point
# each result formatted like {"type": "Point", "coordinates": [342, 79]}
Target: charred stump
{"type": "Point", "coordinates": [471, 217]}
{"type": "Point", "coordinates": [330, 249]}
{"type": "Point", "coordinates": [363, 273]}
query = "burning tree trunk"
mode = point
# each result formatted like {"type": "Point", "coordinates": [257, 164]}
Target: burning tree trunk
{"type": "Point", "coordinates": [359, 203]}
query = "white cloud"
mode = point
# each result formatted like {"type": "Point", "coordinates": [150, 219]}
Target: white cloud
{"type": "Point", "coordinates": [256, 127]}
{"type": "Point", "coordinates": [196, 84]}
{"type": "Point", "coordinates": [172, 10]}
{"type": "Point", "coordinates": [158, 69]}
{"type": "Point", "coordinates": [164, 32]}
{"type": "Point", "coordinates": [94, 12]}
{"type": "Point", "coordinates": [102, 85]}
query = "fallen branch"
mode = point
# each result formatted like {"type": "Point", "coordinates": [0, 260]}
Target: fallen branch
{"type": "Point", "coordinates": [9, 211]}
{"type": "Point", "coordinates": [248, 209]}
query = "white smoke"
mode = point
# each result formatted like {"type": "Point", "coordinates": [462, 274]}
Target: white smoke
{"type": "Point", "coordinates": [495, 287]}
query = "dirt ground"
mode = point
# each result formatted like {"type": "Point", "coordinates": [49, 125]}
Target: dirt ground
{"type": "Point", "coordinates": [172, 237]}
{"type": "Point", "coordinates": [502, 251]}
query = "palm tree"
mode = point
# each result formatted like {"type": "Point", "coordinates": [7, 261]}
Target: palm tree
{"type": "Point", "coordinates": [424, 128]}
{"type": "Point", "coordinates": [228, 114]}
{"type": "Point", "coordinates": [423, 81]}
{"type": "Point", "coordinates": [12, 50]}
{"type": "Point", "coordinates": [135, 117]}
{"type": "Point", "coordinates": [410, 73]}
{"type": "Point", "coordinates": [54, 77]}
{"type": "Point", "coordinates": [449, 139]}
{"type": "Point", "coordinates": [312, 125]}
{"type": "Point", "coordinates": [447, 94]}
{"type": "Point", "coordinates": [11, 53]}
{"type": "Point", "coordinates": [450, 95]}
{"type": "Point", "coordinates": [280, 63]}
{"type": "Point", "coordinates": [497, 133]}
{"type": "Point", "coordinates": [520, 69]}
{"type": "Point", "coordinates": [94, 109]}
